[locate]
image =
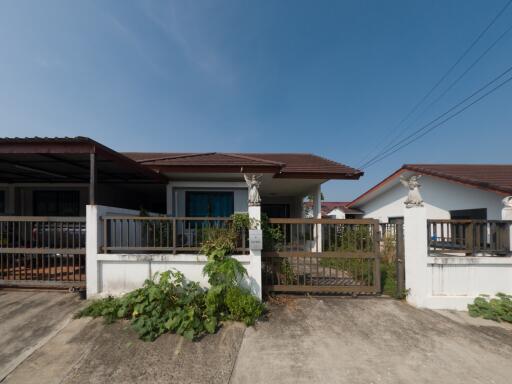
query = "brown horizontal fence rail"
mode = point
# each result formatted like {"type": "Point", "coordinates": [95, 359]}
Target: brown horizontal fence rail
{"type": "Point", "coordinates": [162, 234]}
{"type": "Point", "coordinates": [42, 250]}
{"type": "Point", "coordinates": [469, 237]}
{"type": "Point", "coordinates": [321, 256]}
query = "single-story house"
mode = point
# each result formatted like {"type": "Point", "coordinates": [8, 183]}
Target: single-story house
{"type": "Point", "coordinates": [70, 208]}
{"type": "Point", "coordinates": [449, 191]}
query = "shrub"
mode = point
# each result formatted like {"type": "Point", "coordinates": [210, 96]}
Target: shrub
{"type": "Point", "coordinates": [243, 306]}
{"type": "Point", "coordinates": [161, 305]}
{"type": "Point", "coordinates": [497, 309]}
{"type": "Point", "coordinates": [168, 303]}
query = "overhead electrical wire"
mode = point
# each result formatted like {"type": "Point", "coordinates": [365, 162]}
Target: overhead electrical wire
{"type": "Point", "coordinates": [422, 131]}
{"type": "Point", "coordinates": [441, 79]}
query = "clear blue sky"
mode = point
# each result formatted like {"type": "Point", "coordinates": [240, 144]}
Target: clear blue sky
{"type": "Point", "coordinates": [328, 77]}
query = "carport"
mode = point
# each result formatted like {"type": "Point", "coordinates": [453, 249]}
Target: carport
{"type": "Point", "coordinates": [45, 184]}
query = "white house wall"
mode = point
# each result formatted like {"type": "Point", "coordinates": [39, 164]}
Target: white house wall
{"type": "Point", "coordinates": [440, 198]}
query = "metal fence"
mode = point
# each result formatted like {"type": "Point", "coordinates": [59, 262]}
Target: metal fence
{"type": "Point", "coordinates": [42, 249]}
{"type": "Point", "coordinates": [469, 237]}
{"type": "Point", "coordinates": [321, 255]}
{"type": "Point", "coordinates": [137, 234]}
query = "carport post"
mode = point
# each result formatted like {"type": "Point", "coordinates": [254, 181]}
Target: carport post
{"type": "Point", "coordinates": [92, 178]}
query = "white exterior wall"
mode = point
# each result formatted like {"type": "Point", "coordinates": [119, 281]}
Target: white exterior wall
{"type": "Point", "coordinates": [440, 196]}
{"type": "Point", "coordinates": [336, 214]}
{"type": "Point", "coordinates": [115, 274]}
{"type": "Point", "coordinates": [448, 282]}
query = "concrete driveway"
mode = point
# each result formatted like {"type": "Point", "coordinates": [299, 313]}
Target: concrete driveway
{"type": "Point", "coordinates": [331, 340]}
{"type": "Point", "coordinates": [28, 319]}
{"type": "Point", "coordinates": [372, 340]}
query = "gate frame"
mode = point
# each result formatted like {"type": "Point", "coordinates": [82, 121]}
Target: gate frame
{"type": "Point", "coordinates": [375, 255]}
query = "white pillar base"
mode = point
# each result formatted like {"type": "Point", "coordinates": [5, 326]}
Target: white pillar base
{"type": "Point", "coordinates": [254, 269]}
{"type": "Point", "coordinates": [416, 255]}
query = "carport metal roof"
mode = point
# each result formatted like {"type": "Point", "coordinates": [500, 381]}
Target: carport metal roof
{"type": "Point", "coordinates": [68, 160]}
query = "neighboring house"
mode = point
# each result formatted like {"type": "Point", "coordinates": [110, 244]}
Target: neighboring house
{"type": "Point", "coordinates": [449, 191]}
{"type": "Point", "coordinates": [333, 210]}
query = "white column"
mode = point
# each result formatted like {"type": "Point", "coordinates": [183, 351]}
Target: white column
{"type": "Point", "coordinates": [417, 276]}
{"type": "Point", "coordinates": [92, 243]}
{"type": "Point", "coordinates": [254, 269]}
{"type": "Point", "coordinates": [317, 214]}
{"type": "Point", "coordinates": [506, 214]}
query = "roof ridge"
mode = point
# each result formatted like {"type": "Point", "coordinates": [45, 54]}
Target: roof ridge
{"type": "Point", "coordinates": [177, 156]}
{"type": "Point", "coordinates": [240, 156]}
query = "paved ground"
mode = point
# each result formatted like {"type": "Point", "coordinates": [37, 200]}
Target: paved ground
{"type": "Point", "coordinates": [27, 320]}
{"type": "Point", "coordinates": [332, 340]}
{"type": "Point", "coordinates": [372, 341]}
{"type": "Point", "coordinates": [88, 351]}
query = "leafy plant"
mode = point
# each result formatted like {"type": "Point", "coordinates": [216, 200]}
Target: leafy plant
{"type": "Point", "coordinates": [272, 236]}
{"type": "Point", "coordinates": [169, 303]}
{"type": "Point", "coordinates": [243, 306]}
{"type": "Point", "coordinates": [497, 309]}
{"type": "Point", "coordinates": [286, 271]}
{"type": "Point", "coordinates": [165, 303]}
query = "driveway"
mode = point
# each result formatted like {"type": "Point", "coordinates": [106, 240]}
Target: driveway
{"type": "Point", "coordinates": [28, 319]}
{"type": "Point", "coordinates": [345, 340]}
{"type": "Point", "coordinates": [331, 340]}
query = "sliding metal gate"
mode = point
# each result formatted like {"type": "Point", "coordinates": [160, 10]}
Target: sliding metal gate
{"type": "Point", "coordinates": [321, 255]}
{"type": "Point", "coordinates": [42, 251]}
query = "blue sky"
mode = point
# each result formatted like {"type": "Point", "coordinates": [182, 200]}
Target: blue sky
{"type": "Point", "coordinates": [329, 77]}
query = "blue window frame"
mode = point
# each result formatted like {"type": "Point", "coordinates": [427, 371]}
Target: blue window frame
{"type": "Point", "coordinates": [209, 204]}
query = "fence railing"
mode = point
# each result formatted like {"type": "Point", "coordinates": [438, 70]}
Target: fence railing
{"type": "Point", "coordinates": [322, 235]}
{"type": "Point", "coordinates": [38, 234]}
{"type": "Point", "coordinates": [469, 237]}
{"type": "Point", "coordinates": [137, 234]}
{"type": "Point", "coordinates": [48, 249]}
{"type": "Point", "coordinates": [321, 255]}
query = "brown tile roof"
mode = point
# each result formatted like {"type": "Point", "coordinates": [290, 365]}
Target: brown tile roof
{"type": "Point", "coordinates": [300, 165]}
{"type": "Point", "coordinates": [491, 177]}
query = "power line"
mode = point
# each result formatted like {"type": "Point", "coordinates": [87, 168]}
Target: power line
{"type": "Point", "coordinates": [427, 95]}
{"type": "Point", "coordinates": [452, 84]}
{"type": "Point", "coordinates": [421, 134]}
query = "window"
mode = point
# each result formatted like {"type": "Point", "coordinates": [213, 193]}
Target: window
{"type": "Point", "coordinates": [56, 203]}
{"type": "Point", "coordinates": [469, 214]}
{"type": "Point", "coordinates": [209, 204]}
{"type": "Point", "coordinates": [2, 201]}
{"type": "Point", "coordinates": [276, 210]}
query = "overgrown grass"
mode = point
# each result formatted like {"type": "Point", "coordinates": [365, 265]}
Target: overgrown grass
{"type": "Point", "coordinates": [497, 309]}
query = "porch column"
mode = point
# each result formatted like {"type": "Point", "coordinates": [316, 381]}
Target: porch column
{"type": "Point", "coordinates": [317, 214]}
{"type": "Point", "coordinates": [92, 178]}
{"type": "Point", "coordinates": [506, 214]}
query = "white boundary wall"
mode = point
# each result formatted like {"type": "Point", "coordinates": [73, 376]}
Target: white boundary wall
{"type": "Point", "coordinates": [449, 282]}
{"type": "Point", "coordinates": [116, 274]}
